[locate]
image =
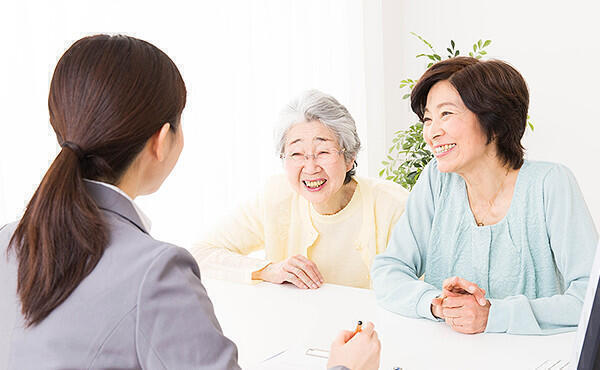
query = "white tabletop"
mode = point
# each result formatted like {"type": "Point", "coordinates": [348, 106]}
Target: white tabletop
{"type": "Point", "coordinates": [265, 319]}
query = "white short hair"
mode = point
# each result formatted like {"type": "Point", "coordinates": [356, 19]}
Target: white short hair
{"type": "Point", "coordinates": [314, 105]}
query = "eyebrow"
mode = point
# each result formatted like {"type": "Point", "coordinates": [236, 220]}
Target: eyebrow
{"type": "Point", "coordinates": [441, 105]}
{"type": "Point", "coordinates": [316, 138]}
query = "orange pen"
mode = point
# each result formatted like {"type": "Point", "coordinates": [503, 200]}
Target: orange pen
{"type": "Point", "coordinates": [358, 329]}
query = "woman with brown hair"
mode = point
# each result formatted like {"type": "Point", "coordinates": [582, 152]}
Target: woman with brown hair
{"type": "Point", "coordinates": [505, 244]}
{"type": "Point", "coordinates": [91, 288]}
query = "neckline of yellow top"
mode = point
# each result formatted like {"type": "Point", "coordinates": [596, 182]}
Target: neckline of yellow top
{"type": "Point", "coordinates": [342, 214]}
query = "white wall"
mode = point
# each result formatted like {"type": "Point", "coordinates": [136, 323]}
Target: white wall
{"type": "Point", "coordinates": [241, 60]}
{"type": "Point", "coordinates": [553, 44]}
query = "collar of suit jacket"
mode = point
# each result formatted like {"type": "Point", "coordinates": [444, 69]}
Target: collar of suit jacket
{"type": "Point", "coordinates": [111, 201]}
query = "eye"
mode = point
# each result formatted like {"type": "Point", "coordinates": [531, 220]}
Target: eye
{"type": "Point", "coordinates": [296, 155]}
{"type": "Point", "coordinates": [426, 121]}
{"type": "Point", "coordinates": [445, 113]}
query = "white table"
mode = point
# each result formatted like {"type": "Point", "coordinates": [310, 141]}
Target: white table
{"type": "Point", "coordinates": [264, 319]}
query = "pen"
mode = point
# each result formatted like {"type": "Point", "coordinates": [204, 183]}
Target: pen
{"type": "Point", "coordinates": [358, 329]}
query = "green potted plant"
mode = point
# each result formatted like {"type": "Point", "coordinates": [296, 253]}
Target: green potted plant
{"type": "Point", "coordinates": [408, 154]}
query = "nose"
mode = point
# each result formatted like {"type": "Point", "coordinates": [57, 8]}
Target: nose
{"type": "Point", "coordinates": [433, 131]}
{"type": "Point", "coordinates": [310, 165]}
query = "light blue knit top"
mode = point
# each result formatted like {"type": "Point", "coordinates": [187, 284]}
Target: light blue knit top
{"type": "Point", "coordinates": [534, 264]}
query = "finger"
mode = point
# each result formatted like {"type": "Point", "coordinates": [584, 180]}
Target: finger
{"type": "Point", "coordinates": [342, 337]}
{"type": "Point", "coordinates": [472, 288]}
{"type": "Point", "coordinates": [437, 301]}
{"type": "Point", "coordinates": [296, 281]}
{"type": "Point", "coordinates": [307, 267]}
{"type": "Point", "coordinates": [453, 313]}
{"type": "Point", "coordinates": [454, 322]}
{"type": "Point", "coordinates": [305, 279]}
{"type": "Point", "coordinates": [310, 265]}
{"type": "Point", "coordinates": [456, 302]}
{"type": "Point", "coordinates": [367, 330]}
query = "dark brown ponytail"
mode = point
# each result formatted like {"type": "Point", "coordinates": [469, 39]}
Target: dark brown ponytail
{"type": "Point", "coordinates": [108, 96]}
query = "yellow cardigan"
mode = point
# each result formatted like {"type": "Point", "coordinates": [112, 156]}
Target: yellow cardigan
{"type": "Point", "coordinates": [278, 220]}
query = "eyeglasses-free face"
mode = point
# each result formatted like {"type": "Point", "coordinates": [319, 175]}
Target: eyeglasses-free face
{"type": "Point", "coordinates": [314, 163]}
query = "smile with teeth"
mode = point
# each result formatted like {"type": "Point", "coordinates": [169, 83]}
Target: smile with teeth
{"type": "Point", "coordinates": [314, 184]}
{"type": "Point", "coordinates": [444, 148]}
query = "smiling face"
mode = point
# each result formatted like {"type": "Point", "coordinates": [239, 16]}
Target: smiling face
{"type": "Point", "coordinates": [317, 181]}
{"type": "Point", "coordinates": [452, 131]}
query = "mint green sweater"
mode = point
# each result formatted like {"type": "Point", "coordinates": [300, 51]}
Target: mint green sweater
{"type": "Point", "coordinates": [534, 264]}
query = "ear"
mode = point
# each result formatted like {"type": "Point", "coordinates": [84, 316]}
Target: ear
{"type": "Point", "coordinates": [160, 144]}
{"type": "Point", "coordinates": [350, 164]}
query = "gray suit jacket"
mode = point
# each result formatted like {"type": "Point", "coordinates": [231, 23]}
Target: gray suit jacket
{"type": "Point", "coordinates": [143, 306]}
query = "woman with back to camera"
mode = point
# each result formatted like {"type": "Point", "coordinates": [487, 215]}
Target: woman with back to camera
{"type": "Point", "coordinates": [317, 223]}
{"type": "Point", "coordinates": [92, 289]}
{"type": "Point", "coordinates": [481, 220]}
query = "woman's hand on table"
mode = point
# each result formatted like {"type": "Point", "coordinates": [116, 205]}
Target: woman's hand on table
{"type": "Point", "coordinates": [297, 270]}
{"type": "Point", "coordinates": [462, 305]}
{"type": "Point", "coordinates": [358, 352]}
{"type": "Point", "coordinates": [455, 286]}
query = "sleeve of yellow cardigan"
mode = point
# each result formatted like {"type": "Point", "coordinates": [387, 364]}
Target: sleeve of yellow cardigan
{"type": "Point", "coordinates": [222, 254]}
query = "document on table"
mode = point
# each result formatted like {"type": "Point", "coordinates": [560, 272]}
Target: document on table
{"type": "Point", "coordinates": [295, 358]}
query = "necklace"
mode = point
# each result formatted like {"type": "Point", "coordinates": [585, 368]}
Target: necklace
{"type": "Point", "coordinates": [480, 220]}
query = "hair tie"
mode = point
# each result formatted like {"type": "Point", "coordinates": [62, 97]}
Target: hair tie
{"type": "Point", "coordinates": [74, 148]}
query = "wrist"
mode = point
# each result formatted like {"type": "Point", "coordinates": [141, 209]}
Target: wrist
{"type": "Point", "coordinates": [261, 274]}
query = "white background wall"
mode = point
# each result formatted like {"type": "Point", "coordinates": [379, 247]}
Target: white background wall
{"type": "Point", "coordinates": [243, 59]}
{"type": "Point", "coordinates": [555, 46]}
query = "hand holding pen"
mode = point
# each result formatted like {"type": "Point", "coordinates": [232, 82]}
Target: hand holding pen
{"type": "Point", "coordinates": [357, 350]}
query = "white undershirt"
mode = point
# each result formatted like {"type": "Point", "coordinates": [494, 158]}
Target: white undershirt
{"type": "Point", "coordinates": [145, 220]}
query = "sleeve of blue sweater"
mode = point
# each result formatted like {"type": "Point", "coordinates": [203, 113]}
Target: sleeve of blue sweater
{"type": "Point", "coordinates": [573, 239]}
{"type": "Point", "coordinates": [396, 271]}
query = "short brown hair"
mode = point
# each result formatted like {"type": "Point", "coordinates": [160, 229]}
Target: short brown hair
{"type": "Point", "coordinates": [493, 90]}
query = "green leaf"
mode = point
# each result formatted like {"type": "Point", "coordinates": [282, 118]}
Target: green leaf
{"type": "Point", "coordinates": [381, 172]}
{"type": "Point", "coordinates": [437, 57]}
{"type": "Point", "coordinates": [429, 65]}
{"type": "Point", "coordinates": [456, 54]}
{"type": "Point", "coordinates": [474, 47]}
{"type": "Point", "coordinates": [406, 96]}
{"type": "Point", "coordinates": [487, 42]}
{"type": "Point", "coordinates": [452, 43]}
{"type": "Point", "coordinates": [483, 52]}
{"type": "Point", "coordinates": [386, 163]}
{"type": "Point", "coordinates": [470, 54]}
{"type": "Point", "coordinates": [402, 85]}
{"type": "Point", "coordinates": [479, 44]}
{"type": "Point", "coordinates": [449, 50]}
{"type": "Point", "coordinates": [432, 57]}
{"type": "Point", "coordinates": [478, 57]}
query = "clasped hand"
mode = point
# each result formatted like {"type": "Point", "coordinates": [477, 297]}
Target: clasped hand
{"type": "Point", "coordinates": [462, 305]}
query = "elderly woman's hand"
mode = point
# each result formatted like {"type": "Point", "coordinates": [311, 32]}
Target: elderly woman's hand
{"type": "Point", "coordinates": [462, 305]}
{"type": "Point", "coordinates": [464, 314]}
{"type": "Point", "coordinates": [455, 286]}
{"type": "Point", "coordinates": [297, 270]}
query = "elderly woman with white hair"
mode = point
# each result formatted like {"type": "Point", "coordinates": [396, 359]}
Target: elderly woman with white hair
{"type": "Point", "coordinates": [318, 223]}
